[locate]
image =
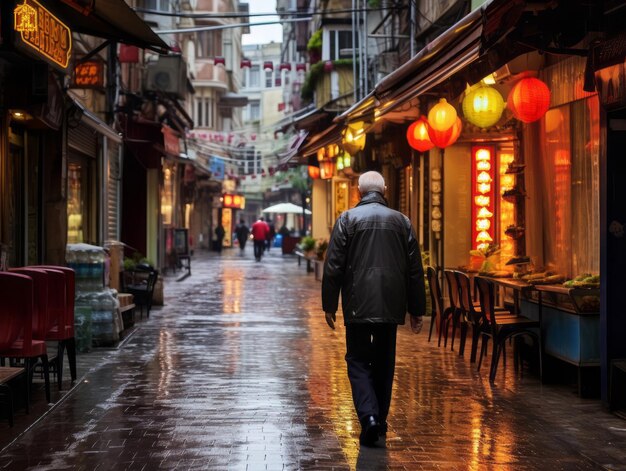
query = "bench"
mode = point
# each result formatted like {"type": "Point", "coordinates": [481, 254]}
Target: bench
{"type": "Point", "coordinates": [7, 373]}
{"type": "Point", "coordinates": [301, 255]}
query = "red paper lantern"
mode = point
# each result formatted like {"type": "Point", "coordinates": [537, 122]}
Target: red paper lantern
{"type": "Point", "coordinates": [529, 99]}
{"type": "Point", "coordinates": [314, 172]}
{"type": "Point", "coordinates": [219, 60]}
{"type": "Point", "coordinates": [417, 135]}
{"type": "Point", "coordinates": [443, 139]}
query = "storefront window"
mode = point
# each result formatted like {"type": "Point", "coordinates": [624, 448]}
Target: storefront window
{"type": "Point", "coordinates": [75, 206]}
{"type": "Point", "coordinates": [167, 197]}
{"type": "Point", "coordinates": [570, 203]}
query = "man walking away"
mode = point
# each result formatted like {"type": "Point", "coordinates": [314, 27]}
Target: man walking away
{"type": "Point", "coordinates": [260, 232]}
{"type": "Point", "coordinates": [374, 260]}
{"type": "Point", "coordinates": [242, 232]}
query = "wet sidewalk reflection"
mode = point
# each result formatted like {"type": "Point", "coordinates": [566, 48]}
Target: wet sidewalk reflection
{"type": "Point", "coordinates": [238, 371]}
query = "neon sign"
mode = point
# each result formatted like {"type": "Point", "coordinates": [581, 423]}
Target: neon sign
{"type": "Point", "coordinates": [41, 31]}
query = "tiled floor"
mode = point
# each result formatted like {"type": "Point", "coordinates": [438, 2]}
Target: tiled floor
{"type": "Point", "coordinates": [238, 371]}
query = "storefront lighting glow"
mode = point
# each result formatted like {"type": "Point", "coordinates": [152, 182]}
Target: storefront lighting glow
{"type": "Point", "coordinates": [483, 196]}
{"type": "Point", "coordinates": [483, 165]}
{"type": "Point", "coordinates": [327, 169]}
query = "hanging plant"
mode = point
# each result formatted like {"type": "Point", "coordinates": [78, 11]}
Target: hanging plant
{"type": "Point", "coordinates": [314, 47]}
{"type": "Point", "coordinates": [316, 72]}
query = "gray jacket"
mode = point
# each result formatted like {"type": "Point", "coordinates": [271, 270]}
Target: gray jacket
{"type": "Point", "coordinates": [374, 260]}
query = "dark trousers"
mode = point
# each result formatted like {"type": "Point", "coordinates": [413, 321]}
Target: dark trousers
{"type": "Point", "coordinates": [259, 247]}
{"type": "Point", "coordinates": [371, 359]}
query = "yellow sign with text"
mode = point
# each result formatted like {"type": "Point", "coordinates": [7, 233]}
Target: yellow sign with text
{"type": "Point", "coordinates": [40, 31]}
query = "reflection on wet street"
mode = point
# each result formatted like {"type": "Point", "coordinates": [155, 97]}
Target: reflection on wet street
{"type": "Point", "coordinates": [239, 371]}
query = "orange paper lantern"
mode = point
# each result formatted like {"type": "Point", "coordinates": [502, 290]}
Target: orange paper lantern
{"type": "Point", "coordinates": [442, 116]}
{"type": "Point", "coordinates": [529, 99]}
{"type": "Point", "coordinates": [417, 135]}
{"type": "Point", "coordinates": [314, 172]}
{"type": "Point", "coordinates": [443, 139]}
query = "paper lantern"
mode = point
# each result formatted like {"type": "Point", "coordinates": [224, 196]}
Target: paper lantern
{"type": "Point", "coordinates": [417, 135]}
{"type": "Point", "coordinates": [354, 137]}
{"type": "Point", "coordinates": [529, 99]}
{"type": "Point", "coordinates": [314, 172]}
{"type": "Point", "coordinates": [245, 63]}
{"type": "Point", "coordinates": [483, 106]}
{"type": "Point", "coordinates": [443, 139]}
{"type": "Point", "coordinates": [327, 169]}
{"type": "Point", "coordinates": [219, 60]}
{"type": "Point", "coordinates": [442, 116]}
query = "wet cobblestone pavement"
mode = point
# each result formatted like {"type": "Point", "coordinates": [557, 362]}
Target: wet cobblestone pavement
{"type": "Point", "coordinates": [238, 371]}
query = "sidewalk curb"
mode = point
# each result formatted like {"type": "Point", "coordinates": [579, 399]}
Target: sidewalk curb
{"type": "Point", "coordinates": [77, 384]}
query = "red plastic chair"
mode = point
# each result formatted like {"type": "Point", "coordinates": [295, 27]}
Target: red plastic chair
{"type": "Point", "coordinates": [41, 324]}
{"type": "Point", "coordinates": [17, 308]}
{"type": "Point", "coordinates": [61, 307]}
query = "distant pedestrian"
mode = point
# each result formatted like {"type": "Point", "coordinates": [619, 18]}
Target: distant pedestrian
{"type": "Point", "coordinates": [260, 232]}
{"type": "Point", "coordinates": [271, 235]}
{"type": "Point", "coordinates": [374, 260]}
{"type": "Point", "coordinates": [242, 232]}
{"type": "Point", "coordinates": [219, 234]}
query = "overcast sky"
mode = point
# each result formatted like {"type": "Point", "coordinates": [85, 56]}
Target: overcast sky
{"type": "Point", "coordinates": [263, 34]}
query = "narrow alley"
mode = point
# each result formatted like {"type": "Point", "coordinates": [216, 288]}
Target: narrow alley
{"type": "Point", "coordinates": [238, 371]}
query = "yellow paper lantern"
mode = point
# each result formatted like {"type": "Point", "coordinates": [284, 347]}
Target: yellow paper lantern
{"type": "Point", "coordinates": [483, 106]}
{"type": "Point", "coordinates": [442, 116]}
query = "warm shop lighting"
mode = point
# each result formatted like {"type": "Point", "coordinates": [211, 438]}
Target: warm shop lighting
{"type": "Point", "coordinates": [314, 172]}
{"type": "Point", "coordinates": [442, 116]}
{"type": "Point", "coordinates": [483, 224]}
{"type": "Point", "coordinates": [483, 165]}
{"type": "Point", "coordinates": [417, 135]}
{"type": "Point", "coordinates": [484, 213]}
{"type": "Point", "coordinates": [484, 177]}
{"type": "Point", "coordinates": [483, 196]}
{"type": "Point", "coordinates": [483, 106]}
{"type": "Point", "coordinates": [484, 188]}
{"type": "Point", "coordinates": [529, 99]}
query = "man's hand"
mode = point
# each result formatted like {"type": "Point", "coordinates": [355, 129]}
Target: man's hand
{"type": "Point", "coordinates": [330, 319]}
{"type": "Point", "coordinates": [417, 322]}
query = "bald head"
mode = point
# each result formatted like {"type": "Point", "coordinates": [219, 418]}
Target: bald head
{"type": "Point", "coordinates": [371, 181]}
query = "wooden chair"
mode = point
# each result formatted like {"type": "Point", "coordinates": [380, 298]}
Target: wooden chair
{"type": "Point", "coordinates": [438, 311]}
{"type": "Point", "coordinates": [501, 328]}
{"type": "Point", "coordinates": [456, 314]}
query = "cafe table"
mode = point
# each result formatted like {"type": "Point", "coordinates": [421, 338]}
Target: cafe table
{"type": "Point", "coordinates": [518, 287]}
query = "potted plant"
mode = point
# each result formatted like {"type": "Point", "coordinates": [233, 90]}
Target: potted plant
{"type": "Point", "coordinates": [314, 47]}
{"type": "Point", "coordinates": [320, 248]}
{"type": "Point", "coordinates": [307, 244]}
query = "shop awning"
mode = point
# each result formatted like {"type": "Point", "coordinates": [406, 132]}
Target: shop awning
{"type": "Point", "coordinates": [145, 141]}
{"type": "Point", "coordinates": [455, 49]}
{"type": "Point", "coordinates": [110, 19]}
{"type": "Point", "coordinates": [292, 147]}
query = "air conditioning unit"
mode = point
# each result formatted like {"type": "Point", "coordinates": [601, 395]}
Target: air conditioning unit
{"type": "Point", "coordinates": [168, 74]}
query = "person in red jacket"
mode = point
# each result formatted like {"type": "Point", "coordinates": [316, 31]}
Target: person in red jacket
{"type": "Point", "coordinates": [260, 233]}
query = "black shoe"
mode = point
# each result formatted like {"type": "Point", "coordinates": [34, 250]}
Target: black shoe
{"type": "Point", "coordinates": [370, 431]}
{"type": "Point", "coordinates": [382, 430]}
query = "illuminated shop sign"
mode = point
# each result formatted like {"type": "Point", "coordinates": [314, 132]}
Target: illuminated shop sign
{"type": "Point", "coordinates": [483, 196]}
{"type": "Point", "coordinates": [89, 74]}
{"type": "Point", "coordinates": [233, 201]}
{"type": "Point", "coordinates": [42, 32]}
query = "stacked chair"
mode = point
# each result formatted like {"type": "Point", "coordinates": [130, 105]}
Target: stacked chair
{"type": "Point", "coordinates": [22, 321]}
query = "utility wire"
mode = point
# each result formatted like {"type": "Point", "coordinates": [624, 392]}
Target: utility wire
{"type": "Point", "coordinates": [246, 15]}
{"type": "Point", "coordinates": [235, 25]}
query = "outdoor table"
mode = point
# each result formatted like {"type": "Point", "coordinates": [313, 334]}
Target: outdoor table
{"type": "Point", "coordinates": [517, 286]}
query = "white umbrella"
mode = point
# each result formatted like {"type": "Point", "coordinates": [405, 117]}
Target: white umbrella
{"type": "Point", "coordinates": [285, 208]}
